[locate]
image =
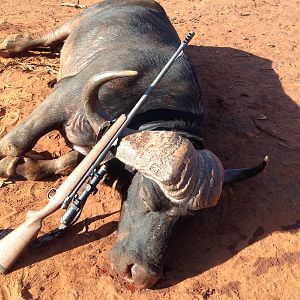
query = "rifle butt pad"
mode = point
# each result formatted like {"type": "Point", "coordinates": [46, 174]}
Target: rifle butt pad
{"type": "Point", "coordinates": [13, 244]}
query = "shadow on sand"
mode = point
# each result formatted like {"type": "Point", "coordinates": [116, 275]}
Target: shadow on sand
{"type": "Point", "coordinates": [73, 237]}
{"type": "Point", "coordinates": [248, 116]}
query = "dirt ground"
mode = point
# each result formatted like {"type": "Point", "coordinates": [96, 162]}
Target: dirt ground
{"type": "Point", "coordinates": [247, 57]}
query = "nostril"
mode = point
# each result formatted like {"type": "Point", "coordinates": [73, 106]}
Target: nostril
{"type": "Point", "coordinates": [129, 271]}
{"type": "Point", "coordinates": [141, 276]}
{"type": "Point", "coordinates": [135, 272]}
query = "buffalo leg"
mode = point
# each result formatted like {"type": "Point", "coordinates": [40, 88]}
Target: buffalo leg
{"type": "Point", "coordinates": [45, 118]}
{"type": "Point", "coordinates": [15, 44]}
{"type": "Point", "coordinates": [25, 167]}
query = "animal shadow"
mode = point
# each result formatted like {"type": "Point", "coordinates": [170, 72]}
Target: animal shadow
{"type": "Point", "coordinates": [72, 238]}
{"type": "Point", "coordinates": [248, 116]}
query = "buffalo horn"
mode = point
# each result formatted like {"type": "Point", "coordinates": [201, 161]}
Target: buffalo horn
{"type": "Point", "coordinates": [235, 175]}
{"type": "Point", "coordinates": [91, 104]}
{"type": "Point", "coordinates": [184, 174]}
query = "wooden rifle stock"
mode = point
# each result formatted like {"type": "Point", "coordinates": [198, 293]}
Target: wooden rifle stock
{"type": "Point", "coordinates": [12, 245]}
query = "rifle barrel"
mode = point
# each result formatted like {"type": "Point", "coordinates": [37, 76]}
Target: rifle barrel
{"type": "Point", "coordinates": [159, 77]}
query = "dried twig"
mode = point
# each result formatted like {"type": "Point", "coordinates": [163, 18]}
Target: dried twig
{"type": "Point", "coordinates": [2, 130]}
{"type": "Point", "coordinates": [49, 69]}
{"type": "Point", "coordinates": [43, 65]}
{"type": "Point", "coordinates": [5, 66]}
{"type": "Point", "coordinates": [3, 21]}
{"type": "Point", "coordinates": [6, 86]}
{"type": "Point", "coordinates": [25, 66]}
{"type": "Point", "coordinates": [77, 5]}
{"type": "Point", "coordinates": [4, 183]}
{"type": "Point", "coordinates": [29, 66]}
{"type": "Point", "coordinates": [268, 132]}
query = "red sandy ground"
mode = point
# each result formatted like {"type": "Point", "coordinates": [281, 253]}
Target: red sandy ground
{"type": "Point", "coordinates": [247, 56]}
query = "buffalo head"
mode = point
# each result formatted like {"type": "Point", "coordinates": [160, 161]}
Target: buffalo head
{"type": "Point", "coordinates": [172, 179]}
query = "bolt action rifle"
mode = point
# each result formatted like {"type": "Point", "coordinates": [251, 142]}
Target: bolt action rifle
{"type": "Point", "coordinates": [90, 168]}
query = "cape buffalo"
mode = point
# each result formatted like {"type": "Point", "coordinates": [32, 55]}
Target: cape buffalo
{"type": "Point", "coordinates": [112, 51]}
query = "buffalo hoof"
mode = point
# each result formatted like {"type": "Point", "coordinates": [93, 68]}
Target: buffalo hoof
{"type": "Point", "coordinates": [14, 44]}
